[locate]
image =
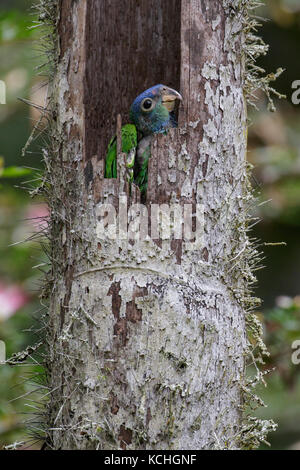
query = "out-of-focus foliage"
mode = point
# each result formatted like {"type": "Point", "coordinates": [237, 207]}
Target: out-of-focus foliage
{"type": "Point", "coordinates": [274, 149]}
{"type": "Point", "coordinates": [13, 171]}
{"type": "Point", "coordinates": [14, 26]}
{"type": "Point", "coordinates": [20, 218]}
{"type": "Point", "coordinates": [282, 329]}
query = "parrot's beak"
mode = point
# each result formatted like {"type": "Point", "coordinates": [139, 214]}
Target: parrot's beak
{"type": "Point", "coordinates": [169, 96]}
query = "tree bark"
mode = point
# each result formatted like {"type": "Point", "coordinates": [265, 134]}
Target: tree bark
{"type": "Point", "coordinates": [147, 338]}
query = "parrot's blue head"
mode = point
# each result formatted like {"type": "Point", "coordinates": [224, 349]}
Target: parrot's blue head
{"type": "Point", "coordinates": [152, 111]}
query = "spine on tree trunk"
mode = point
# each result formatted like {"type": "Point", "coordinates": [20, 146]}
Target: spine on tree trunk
{"type": "Point", "coordinates": [147, 339]}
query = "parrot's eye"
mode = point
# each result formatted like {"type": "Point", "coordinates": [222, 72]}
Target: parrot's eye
{"type": "Point", "coordinates": [147, 104]}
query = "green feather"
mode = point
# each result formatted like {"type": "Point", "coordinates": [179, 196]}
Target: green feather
{"type": "Point", "coordinates": [142, 177]}
{"type": "Point", "coordinates": [129, 143]}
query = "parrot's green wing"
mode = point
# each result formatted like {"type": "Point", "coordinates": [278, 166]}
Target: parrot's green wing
{"type": "Point", "coordinates": [129, 143]}
{"type": "Point", "coordinates": [141, 179]}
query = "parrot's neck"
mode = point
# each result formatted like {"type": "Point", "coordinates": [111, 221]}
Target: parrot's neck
{"type": "Point", "coordinates": [158, 127]}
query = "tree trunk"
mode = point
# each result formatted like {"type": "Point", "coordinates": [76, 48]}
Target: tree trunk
{"type": "Point", "coordinates": [147, 338]}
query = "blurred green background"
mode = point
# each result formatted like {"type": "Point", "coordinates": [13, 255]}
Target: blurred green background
{"type": "Point", "coordinates": [274, 149]}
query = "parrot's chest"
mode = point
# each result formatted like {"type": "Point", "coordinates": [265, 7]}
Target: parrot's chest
{"type": "Point", "coordinates": [143, 146]}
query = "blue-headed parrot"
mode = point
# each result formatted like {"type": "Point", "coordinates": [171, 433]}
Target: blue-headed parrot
{"type": "Point", "coordinates": [152, 112]}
